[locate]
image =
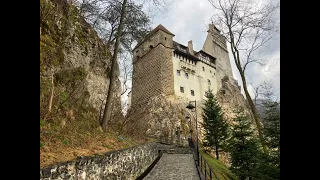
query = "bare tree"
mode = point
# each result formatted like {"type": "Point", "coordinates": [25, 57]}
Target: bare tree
{"type": "Point", "coordinates": [264, 90]}
{"type": "Point", "coordinates": [125, 72]}
{"type": "Point", "coordinates": [247, 26]}
{"type": "Point", "coordinates": [107, 109]}
{"type": "Point", "coordinates": [119, 24]}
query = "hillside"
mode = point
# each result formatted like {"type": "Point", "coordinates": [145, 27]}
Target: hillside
{"type": "Point", "coordinates": [74, 78]}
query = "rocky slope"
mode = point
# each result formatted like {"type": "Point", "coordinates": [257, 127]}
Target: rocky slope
{"type": "Point", "coordinates": [229, 97]}
{"type": "Point", "coordinates": [74, 78]}
{"type": "Point", "coordinates": [72, 52]}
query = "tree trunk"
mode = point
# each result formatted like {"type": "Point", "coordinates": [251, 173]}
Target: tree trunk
{"type": "Point", "coordinates": [52, 91]}
{"type": "Point", "coordinates": [217, 152]}
{"type": "Point", "coordinates": [107, 109]}
{"type": "Point", "coordinates": [254, 112]}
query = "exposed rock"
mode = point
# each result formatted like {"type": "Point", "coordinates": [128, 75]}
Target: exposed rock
{"type": "Point", "coordinates": [229, 97]}
{"type": "Point", "coordinates": [75, 45]}
{"type": "Point", "coordinates": [160, 117]}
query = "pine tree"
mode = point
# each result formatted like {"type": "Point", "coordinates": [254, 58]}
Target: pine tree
{"type": "Point", "coordinates": [243, 147]}
{"type": "Point", "coordinates": [271, 121]}
{"type": "Point", "coordinates": [269, 164]}
{"type": "Point", "coordinates": [215, 127]}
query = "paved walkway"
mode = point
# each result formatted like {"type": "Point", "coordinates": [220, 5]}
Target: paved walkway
{"type": "Point", "coordinates": [174, 167]}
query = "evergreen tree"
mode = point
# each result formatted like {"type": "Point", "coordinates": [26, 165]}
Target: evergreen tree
{"type": "Point", "coordinates": [271, 121]}
{"type": "Point", "coordinates": [215, 127]}
{"type": "Point", "coordinates": [269, 164]}
{"type": "Point", "coordinates": [243, 147]}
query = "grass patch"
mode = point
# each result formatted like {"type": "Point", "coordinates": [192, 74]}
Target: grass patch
{"type": "Point", "coordinates": [218, 167]}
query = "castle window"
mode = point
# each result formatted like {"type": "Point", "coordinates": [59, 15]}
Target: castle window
{"type": "Point", "coordinates": [178, 72]}
{"type": "Point", "coordinates": [187, 75]}
{"type": "Point", "coordinates": [203, 68]}
{"type": "Point", "coordinates": [150, 46]}
{"type": "Point", "coordinates": [181, 89]}
{"type": "Point", "coordinates": [209, 83]}
{"type": "Point", "coordinates": [192, 92]}
{"type": "Point", "coordinates": [210, 71]}
{"type": "Point", "coordinates": [165, 38]}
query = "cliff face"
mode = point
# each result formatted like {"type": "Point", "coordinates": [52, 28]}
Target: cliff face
{"type": "Point", "coordinates": [161, 117]}
{"type": "Point", "coordinates": [229, 97]}
{"type": "Point", "coordinates": [73, 56]}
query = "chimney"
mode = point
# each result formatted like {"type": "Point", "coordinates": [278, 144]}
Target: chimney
{"type": "Point", "coordinates": [190, 47]}
{"type": "Point", "coordinates": [211, 27]}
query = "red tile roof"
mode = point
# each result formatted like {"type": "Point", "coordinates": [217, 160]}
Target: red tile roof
{"type": "Point", "coordinates": [159, 27]}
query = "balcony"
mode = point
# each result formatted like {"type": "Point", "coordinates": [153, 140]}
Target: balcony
{"type": "Point", "coordinates": [187, 67]}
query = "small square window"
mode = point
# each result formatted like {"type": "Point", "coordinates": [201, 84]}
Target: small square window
{"type": "Point", "coordinates": [181, 89]}
{"type": "Point", "coordinates": [203, 68]}
{"type": "Point", "coordinates": [178, 72]}
{"type": "Point", "coordinates": [187, 75]}
{"type": "Point", "coordinates": [192, 92]}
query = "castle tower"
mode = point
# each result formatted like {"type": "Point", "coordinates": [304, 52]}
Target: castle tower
{"type": "Point", "coordinates": [152, 66]}
{"type": "Point", "coordinates": [215, 45]}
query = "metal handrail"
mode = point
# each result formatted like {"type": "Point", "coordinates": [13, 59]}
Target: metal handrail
{"type": "Point", "coordinates": [204, 169]}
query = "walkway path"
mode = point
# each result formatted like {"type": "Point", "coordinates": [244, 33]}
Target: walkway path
{"type": "Point", "coordinates": [174, 167]}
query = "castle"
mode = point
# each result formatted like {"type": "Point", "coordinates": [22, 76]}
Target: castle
{"type": "Point", "coordinates": [164, 66]}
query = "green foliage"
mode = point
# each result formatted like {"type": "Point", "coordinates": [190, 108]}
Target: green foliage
{"type": "Point", "coordinates": [70, 77]}
{"type": "Point", "coordinates": [41, 122]}
{"type": "Point", "coordinates": [271, 122]}
{"type": "Point", "coordinates": [42, 144]}
{"type": "Point", "coordinates": [215, 126]}
{"type": "Point", "coordinates": [243, 147]}
{"type": "Point", "coordinates": [65, 142]}
{"type": "Point", "coordinates": [269, 164]}
{"type": "Point", "coordinates": [219, 168]}
{"type": "Point", "coordinates": [267, 168]}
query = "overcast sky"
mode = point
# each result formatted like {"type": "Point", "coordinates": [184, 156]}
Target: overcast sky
{"type": "Point", "coordinates": [189, 19]}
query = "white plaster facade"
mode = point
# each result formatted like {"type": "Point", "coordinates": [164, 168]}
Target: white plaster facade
{"type": "Point", "coordinates": [197, 79]}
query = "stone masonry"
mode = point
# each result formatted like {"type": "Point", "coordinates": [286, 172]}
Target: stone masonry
{"type": "Point", "coordinates": [174, 167]}
{"type": "Point", "coordinates": [122, 164]}
{"type": "Point", "coordinates": [152, 68]}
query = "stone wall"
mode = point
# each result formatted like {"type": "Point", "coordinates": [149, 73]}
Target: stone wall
{"type": "Point", "coordinates": [122, 164]}
{"type": "Point", "coordinates": [152, 75]}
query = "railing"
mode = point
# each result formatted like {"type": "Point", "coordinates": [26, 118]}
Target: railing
{"type": "Point", "coordinates": [206, 172]}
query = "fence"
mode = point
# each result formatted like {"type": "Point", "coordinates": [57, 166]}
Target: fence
{"type": "Point", "coordinates": [206, 172]}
